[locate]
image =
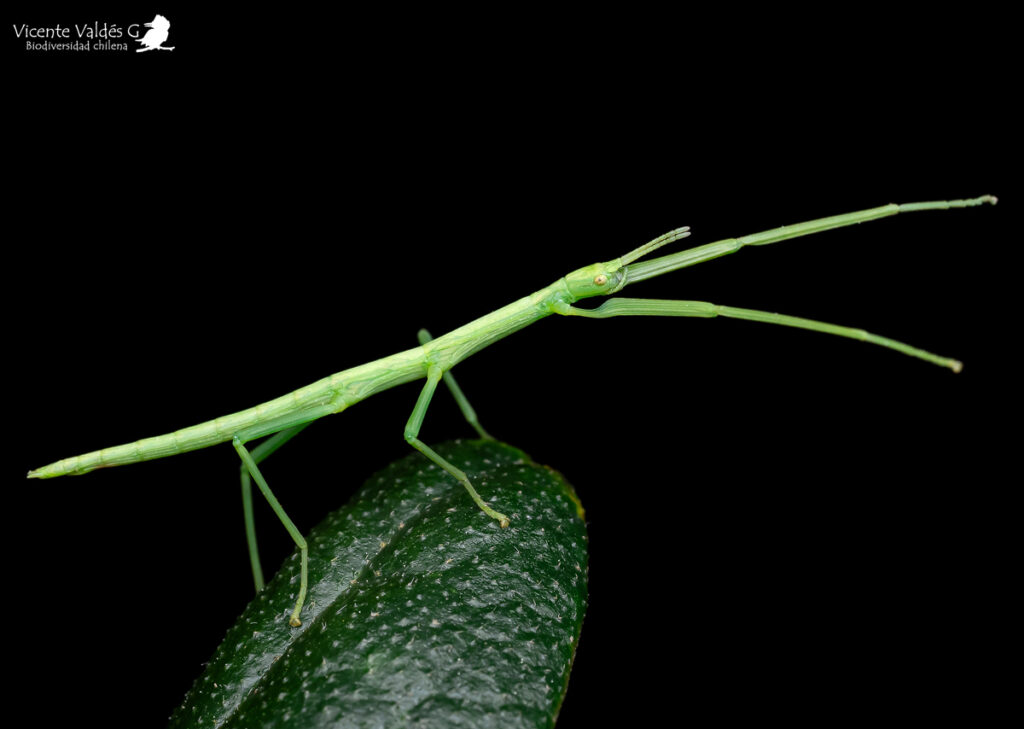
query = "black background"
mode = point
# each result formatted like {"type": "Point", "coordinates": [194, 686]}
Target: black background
{"type": "Point", "coordinates": [782, 524]}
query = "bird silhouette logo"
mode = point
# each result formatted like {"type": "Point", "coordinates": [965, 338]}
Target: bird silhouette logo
{"type": "Point", "coordinates": [156, 36]}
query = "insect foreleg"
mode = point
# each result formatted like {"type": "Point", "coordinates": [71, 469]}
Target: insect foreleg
{"type": "Point", "coordinates": [412, 430]}
{"type": "Point", "coordinates": [704, 309]}
{"type": "Point", "coordinates": [657, 266]}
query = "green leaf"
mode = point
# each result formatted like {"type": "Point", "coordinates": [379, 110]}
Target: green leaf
{"type": "Point", "coordinates": [421, 610]}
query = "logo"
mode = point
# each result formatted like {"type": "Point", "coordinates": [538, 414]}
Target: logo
{"type": "Point", "coordinates": [155, 37]}
{"type": "Point", "coordinates": [95, 37]}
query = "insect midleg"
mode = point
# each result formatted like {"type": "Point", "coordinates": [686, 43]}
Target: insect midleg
{"type": "Point", "coordinates": [412, 430]}
{"type": "Point", "coordinates": [259, 453]}
{"type": "Point", "coordinates": [300, 542]}
{"type": "Point", "coordinates": [449, 379]}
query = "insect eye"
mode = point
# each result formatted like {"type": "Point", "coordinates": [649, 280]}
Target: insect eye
{"type": "Point", "coordinates": [600, 279]}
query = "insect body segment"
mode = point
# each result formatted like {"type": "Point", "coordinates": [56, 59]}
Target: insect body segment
{"type": "Point", "coordinates": [433, 360]}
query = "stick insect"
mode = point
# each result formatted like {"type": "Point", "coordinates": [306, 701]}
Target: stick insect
{"type": "Point", "coordinates": [281, 419]}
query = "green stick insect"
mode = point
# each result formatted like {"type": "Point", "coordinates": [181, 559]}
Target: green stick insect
{"type": "Point", "coordinates": [284, 417]}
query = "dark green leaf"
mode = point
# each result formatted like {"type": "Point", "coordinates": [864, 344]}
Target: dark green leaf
{"type": "Point", "coordinates": [421, 610]}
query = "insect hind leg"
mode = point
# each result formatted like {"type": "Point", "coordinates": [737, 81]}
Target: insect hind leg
{"type": "Point", "coordinates": [249, 463]}
{"type": "Point", "coordinates": [259, 453]}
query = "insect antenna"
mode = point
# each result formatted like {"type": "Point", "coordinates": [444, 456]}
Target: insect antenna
{"type": "Point", "coordinates": [669, 237]}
